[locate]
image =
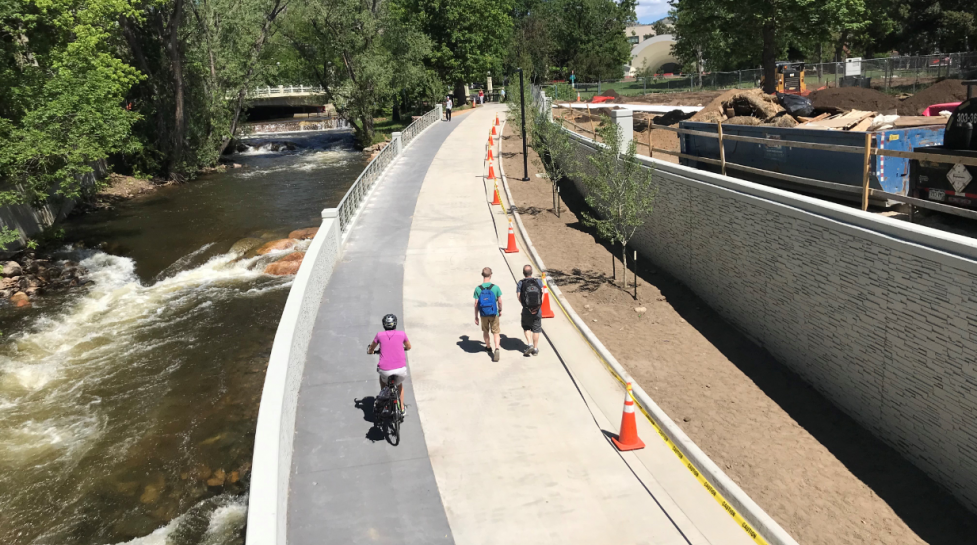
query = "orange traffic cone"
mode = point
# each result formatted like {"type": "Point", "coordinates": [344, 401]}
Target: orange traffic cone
{"type": "Point", "coordinates": [489, 158]}
{"type": "Point", "coordinates": [578, 97]}
{"type": "Point", "coordinates": [545, 311]}
{"type": "Point", "coordinates": [496, 120]}
{"type": "Point", "coordinates": [511, 248]}
{"type": "Point", "coordinates": [491, 142]}
{"type": "Point", "coordinates": [493, 131]}
{"type": "Point", "coordinates": [491, 175]}
{"type": "Point", "coordinates": [628, 438]}
{"type": "Point", "coordinates": [495, 199]}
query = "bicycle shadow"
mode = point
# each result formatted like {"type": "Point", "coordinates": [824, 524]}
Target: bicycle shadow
{"type": "Point", "coordinates": [374, 434]}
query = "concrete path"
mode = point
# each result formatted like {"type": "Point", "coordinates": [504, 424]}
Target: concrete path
{"type": "Point", "coordinates": [492, 453]}
{"type": "Point", "coordinates": [518, 447]}
{"type": "Point", "coordinates": [349, 487]}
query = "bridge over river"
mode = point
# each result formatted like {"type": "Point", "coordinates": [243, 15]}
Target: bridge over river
{"type": "Point", "coordinates": [511, 452]}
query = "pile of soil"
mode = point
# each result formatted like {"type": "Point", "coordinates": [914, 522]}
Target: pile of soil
{"type": "Point", "coordinates": [853, 98]}
{"type": "Point", "coordinates": [948, 90]}
{"type": "Point", "coordinates": [610, 93]}
{"type": "Point", "coordinates": [749, 103]}
{"type": "Point", "coordinates": [693, 98]}
{"type": "Point", "coordinates": [713, 111]}
{"type": "Point", "coordinates": [799, 457]}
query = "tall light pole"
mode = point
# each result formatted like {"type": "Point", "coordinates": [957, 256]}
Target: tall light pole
{"type": "Point", "coordinates": [525, 148]}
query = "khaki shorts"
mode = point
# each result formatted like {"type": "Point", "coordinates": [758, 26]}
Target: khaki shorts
{"type": "Point", "coordinates": [490, 321]}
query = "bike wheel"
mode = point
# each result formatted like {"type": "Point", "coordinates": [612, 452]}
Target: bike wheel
{"type": "Point", "coordinates": [393, 425]}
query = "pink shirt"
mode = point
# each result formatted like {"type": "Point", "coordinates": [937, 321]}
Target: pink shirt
{"type": "Point", "coordinates": [392, 355]}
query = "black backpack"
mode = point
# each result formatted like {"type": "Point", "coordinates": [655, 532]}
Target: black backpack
{"type": "Point", "coordinates": [532, 294]}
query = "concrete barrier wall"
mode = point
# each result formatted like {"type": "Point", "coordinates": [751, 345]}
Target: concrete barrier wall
{"type": "Point", "coordinates": [272, 462]}
{"type": "Point", "coordinates": [879, 315]}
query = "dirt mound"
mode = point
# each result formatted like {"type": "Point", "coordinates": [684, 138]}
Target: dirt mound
{"type": "Point", "coordinates": [713, 111]}
{"type": "Point", "coordinates": [609, 93]}
{"type": "Point", "coordinates": [743, 120]}
{"type": "Point", "coordinates": [948, 90]}
{"type": "Point", "coordinates": [751, 103]}
{"type": "Point", "coordinates": [672, 117]}
{"type": "Point", "coordinates": [853, 98]}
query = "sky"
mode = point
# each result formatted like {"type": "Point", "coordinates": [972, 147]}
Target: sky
{"type": "Point", "coordinates": [650, 11]}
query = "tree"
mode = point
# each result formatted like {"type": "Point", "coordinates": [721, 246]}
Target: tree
{"type": "Point", "coordinates": [360, 53]}
{"type": "Point", "coordinates": [469, 37]}
{"type": "Point", "coordinates": [723, 33]}
{"type": "Point", "coordinates": [62, 96]}
{"type": "Point", "coordinates": [662, 27]}
{"type": "Point", "coordinates": [557, 153]}
{"type": "Point", "coordinates": [589, 35]}
{"type": "Point", "coordinates": [620, 191]}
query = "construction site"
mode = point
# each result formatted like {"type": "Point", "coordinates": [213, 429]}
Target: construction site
{"type": "Point", "coordinates": [822, 140]}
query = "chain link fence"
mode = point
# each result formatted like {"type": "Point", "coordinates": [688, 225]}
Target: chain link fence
{"type": "Point", "coordinates": [892, 75]}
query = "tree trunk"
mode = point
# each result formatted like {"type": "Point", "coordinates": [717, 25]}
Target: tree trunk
{"type": "Point", "coordinates": [459, 92]}
{"type": "Point", "coordinates": [176, 66]}
{"type": "Point", "coordinates": [769, 56]}
{"type": "Point", "coordinates": [624, 262]}
{"type": "Point", "coordinates": [396, 109]}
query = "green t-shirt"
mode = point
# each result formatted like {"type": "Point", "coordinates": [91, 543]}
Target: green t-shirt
{"type": "Point", "coordinates": [495, 290]}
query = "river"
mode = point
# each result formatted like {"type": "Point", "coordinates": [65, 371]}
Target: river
{"type": "Point", "coordinates": [128, 407]}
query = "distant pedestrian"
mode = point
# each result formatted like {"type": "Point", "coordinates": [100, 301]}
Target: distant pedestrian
{"type": "Point", "coordinates": [488, 309]}
{"type": "Point", "coordinates": [447, 108]}
{"type": "Point", "coordinates": [529, 291]}
{"type": "Point", "coordinates": [481, 96]}
{"type": "Point", "coordinates": [502, 94]}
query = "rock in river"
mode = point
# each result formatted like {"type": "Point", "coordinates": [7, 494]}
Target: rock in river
{"type": "Point", "coordinates": [244, 246]}
{"type": "Point", "coordinates": [20, 300]}
{"type": "Point", "coordinates": [12, 268]}
{"type": "Point", "coordinates": [280, 244]}
{"type": "Point", "coordinates": [303, 234]}
{"type": "Point", "coordinates": [287, 265]}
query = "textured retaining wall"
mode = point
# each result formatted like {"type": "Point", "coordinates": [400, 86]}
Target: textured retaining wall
{"type": "Point", "coordinates": [879, 315]}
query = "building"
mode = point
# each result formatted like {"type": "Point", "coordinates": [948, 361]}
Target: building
{"type": "Point", "coordinates": [636, 34]}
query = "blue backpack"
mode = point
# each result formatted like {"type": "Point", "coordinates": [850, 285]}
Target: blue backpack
{"type": "Point", "coordinates": [487, 303]}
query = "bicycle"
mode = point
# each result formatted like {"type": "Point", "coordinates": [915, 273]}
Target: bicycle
{"type": "Point", "coordinates": [387, 412]}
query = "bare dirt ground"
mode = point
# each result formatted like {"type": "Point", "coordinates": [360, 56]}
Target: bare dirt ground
{"type": "Point", "coordinates": [823, 477]}
{"type": "Point", "coordinates": [579, 122]}
{"type": "Point", "coordinates": [693, 98]}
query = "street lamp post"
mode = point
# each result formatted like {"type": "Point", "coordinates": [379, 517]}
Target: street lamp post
{"type": "Point", "coordinates": [525, 148]}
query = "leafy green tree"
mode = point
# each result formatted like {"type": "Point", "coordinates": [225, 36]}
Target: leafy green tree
{"type": "Point", "coordinates": [62, 96]}
{"type": "Point", "coordinates": [361, 54]}
{"type": "Point", "coordinates": [469, 37]}
{"type": "Point", "coordinates": [589, 35]}
{"type": "Point", "coordinates": [723, 33]}
{"type": "Point", "coordinates": [620, 191]}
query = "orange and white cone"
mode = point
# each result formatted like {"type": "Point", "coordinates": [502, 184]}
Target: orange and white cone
{"type": "Point", "coordinates": [496, 120]}
{"type": "Point", "coordinates": [489, 158]}
{"type": "Point", "coordinates": [511, 248]}
{"type": "Point", "coordinates": [493, 131]}
{"type": "Point", "coordinates": [545, 311]}
{"type": "Point", "coordinates": [495, 199]}
{"type": "Point", "coordinates": [578, 97]}
{"type": "Point", "coordinates": [491, 174]}
{"type": "Point", "coordinates": [628, 438]}
{"type": "Point", "coordinates": [491, 142]}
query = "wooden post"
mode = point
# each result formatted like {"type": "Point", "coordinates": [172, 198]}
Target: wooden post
{"type": "Point", "coordinates": [865, 165]}
{"type": "Point", "coordinates": [591, 118]}
{"type": "Point", "coordinates": [651, 152]}
{"type": "Point", "coordinates": [635, 261]}
{"type": "Point", "coordinates": [722, 151]}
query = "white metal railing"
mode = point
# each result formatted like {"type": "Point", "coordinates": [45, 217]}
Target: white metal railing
{"type": "Point", "coordinates": [282, 90]}
{"type": "Point", "coordinates": [351, 202]}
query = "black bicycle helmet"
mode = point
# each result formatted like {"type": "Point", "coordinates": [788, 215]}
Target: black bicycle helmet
{"type": "Point", "coordinates": [389, 322]}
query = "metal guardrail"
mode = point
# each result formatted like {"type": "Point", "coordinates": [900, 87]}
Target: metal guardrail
{"type": "Point", "coordinates": [282, 90]}
{"type": "Point", "coordinates": [350, 205]}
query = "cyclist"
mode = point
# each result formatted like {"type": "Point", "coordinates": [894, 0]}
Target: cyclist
{"type": "Point", "coordinates": [393, 357]}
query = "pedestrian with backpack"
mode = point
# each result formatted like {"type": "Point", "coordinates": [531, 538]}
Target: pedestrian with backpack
{"type": "Point", "coordinates": [488, 308]}
{"type": "Point", "coordinates": [529, 291]}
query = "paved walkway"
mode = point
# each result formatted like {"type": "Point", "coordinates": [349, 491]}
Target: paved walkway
{"type": "Point", "coordinates": [493, 453]}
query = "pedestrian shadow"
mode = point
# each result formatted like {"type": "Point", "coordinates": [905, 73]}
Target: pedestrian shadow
{"type": "Point", "coordinates": [374, 434]}
{"type": "Point", "coordinates": [514, 344]}
{"type": "Point", "coordinates": [470, 345]}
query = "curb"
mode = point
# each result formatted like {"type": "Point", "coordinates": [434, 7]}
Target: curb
{"type": "Point", "coordinates": [750, 516]}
